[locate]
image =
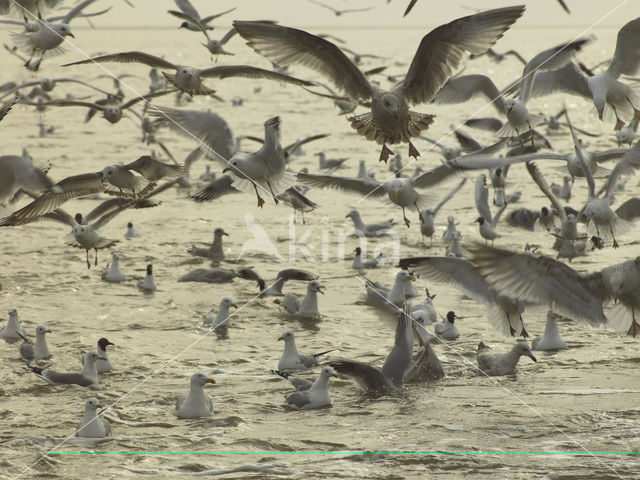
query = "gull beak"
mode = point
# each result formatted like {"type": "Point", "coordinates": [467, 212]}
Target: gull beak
{"type": "Point", "coordinates": [280, 338]}
{"type": "Point", "coordinates": [234, 305]}
{"type": "Point", "coordinates": [531, 356]}
{"type": "Point", "coordinates": [210, 380]}
{"type": "Point", "coordinates": [320, 289]}
{"type": "Point", "coordinates": [110, 343]}
{"type": "Point", "coordinates": [412, 278]}
{"type": "Point", "coordinates": [397, 193]}
{"type": "Point", "coordinates": [226, 169]}
{"type": "Point", "coordinates": [71, 35]}
{"type": "Point", "coordinates": [49, 331]}
{"type": "Point", "coordinates": [600, 113]}
{"type": "Point", "coordinates": [225, 234]}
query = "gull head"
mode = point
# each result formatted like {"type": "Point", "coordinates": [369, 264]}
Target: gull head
{"type": "Point", "coordinates": [352, 214]}
{"type": "Point", "coordinates": [315, 286]}
{"type": "Point", "coordinates": [396, 185]}
{"type": "Point", "coordinates": [42, 330]}
{"type": "Point", "coordinates": [201, 379]}
{"type": "Point", "coordinates": [480, 220]}
{"type": "Point", "coordinates": [228, 302]}
{"type": "Point", "coordinates": [286, 336]}
{"type": "Point", "coordinates": [186, 72]}
{"type": "Point", "coordinates": [327, 372]}
{"type": "Point", "coordinates": [108, 172]}
{"type": "Point", "coordinates": [92, 404]}
{"type": "Point", "coordinates": [509, 105]}
{"type": "Point", "coordinates": [405, 276]}
{"type": "Point", "coordinates": [391, 105]}
{"type": "Point", "coordinates": [92, 357]}
{"type": "Point", "coordinates": [451, 316]}
{"type": "Point", "coordinates": [63, 30]}
{"type": "Point", "coordinates": [232, 165]}
{"type": "Point", "coordinates": [79, 229]}
{"type": "Point", "coordinates": [184, 25]}
{"type": "Point", "coordinates": [113, 113]}
{"type": "Point", "coordinates": [103, 343]}
{"type": "Point", "coordinates": [450, 219]}
{"type": "Point", "coordinates": [522, 348]}
{"type": "Point", "coordinates": [218, 232]}
{"type": "Point", "coordinates": [13, 313]}
{"type": "Point", "coordinates": [358, 251]}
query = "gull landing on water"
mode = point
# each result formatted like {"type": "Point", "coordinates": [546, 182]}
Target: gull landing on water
{"type": "Point", "coordinates": [390, 120]}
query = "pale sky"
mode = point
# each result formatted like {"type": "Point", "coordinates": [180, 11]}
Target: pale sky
{"type": "Point", "coordinates": [427, 13]}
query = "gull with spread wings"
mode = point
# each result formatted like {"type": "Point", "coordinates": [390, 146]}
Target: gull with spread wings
{"type": "Point", "coordinates": [189, 79]}
{"type": "Point", "coordinates": [390, 120]}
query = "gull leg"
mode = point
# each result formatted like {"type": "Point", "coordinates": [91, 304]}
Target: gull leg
{"type": "Point", "coordinates": [636, 112]}
{"type": "Point", "coordinates": [531, 132]}
{"type": "Point", "coordinates": [619, 123]}
{"type": "Point", "coordinates": [419, 214]}
{"type": "Point", "coordinates": [275, 199]}
{"type": "Point", "coordinates": [615, 242]}
{"type": "Point", "coordinates": [260, 199]}
{"type": "Point", "coordinates": [96, 260]}
{"type": "Point", "coordinates": [406, 220]}
{"type": "Point", "coordinates": [27, 63]}
{"type": "Point", "coordinates": [413, 151]}
{"type": "Point", "coordinates": [634, 329]}
{"type": "Point", "coordinates": [303, 220]}
{"type": "Point", "coordinates": [384, 153]}
{"type": "Point", "coordinates": [88, 262]}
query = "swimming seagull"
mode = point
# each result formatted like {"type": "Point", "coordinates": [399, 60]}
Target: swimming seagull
{"type": "Point", "coordinates": [220, 319]}
{"type": "Point", "coordinates": [604, 89]}
{"type": "Point", "coordinates": [215, 251]}
{"type": "Point", "coordinates": [93, 425]}
{"type": "Point", "coordinates": [307, 308]}
{"type": "Point", "coordinates": [551, 339]}
{"type": "Point", "coordinates": [360, 263]}
{"type": "Point", "coordinates": [195, 403]}
{"type": "Point", "coordinates": [131, 233]}
{"type": "Point", "coordinates": [38, 350]}
{"type": "Point", "coordinates": [189, 79]}
{"type": "Point", "coordinates": [369, 229]}
{"type": "Point", "coordinates": [87, 377]}
{"type": "Point", "coordinates": [446, 329]}
{"type": "Point", "coordinates": [390, 298]}
{"type": "Point", "coordinates": [390, 120]}
{"type": "Point", "coordinates": [148, 284]}
{"type": "Point", "coordinates": [12, 331]}
{"type": "Point", "coordinates": [291, 360]}
{"type": "Point", "coordinates": [275, 287]}
{"type": "Point", "coordinates": [209, 275]}
{"type": "Point", "coordinates": [113, 274]}
{"type": "Point", "coordinates": [496, 365]}
{"type": "Point", "coordinates": [316, 396]}
{"type": "Point", "coordinates": [103, 364]}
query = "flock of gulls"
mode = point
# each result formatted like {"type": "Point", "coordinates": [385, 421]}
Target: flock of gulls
{"type": "Point", "coordinates": [508, 282]}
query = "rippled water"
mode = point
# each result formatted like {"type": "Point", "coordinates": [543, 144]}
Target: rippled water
{"type": "Point", "coordinates": [583, 399]}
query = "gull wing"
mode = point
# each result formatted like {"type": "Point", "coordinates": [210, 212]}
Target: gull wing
{"type": "Point", "coordinates": [286, 46]}
{"type": "Point", "coordinates": [626, 58]}
{"type": "Point", "coordinates": [465, 87]}
{"type": "Point", "coordinates": [541, 280]}
{"type": "Point", "coordinates": [154, 170]}
{"type": "Point", "coordinates": [399, 358]}
{"type": "Point", "coordinates": [535, 173]}
{"type": "Point", "coordinates": [442, 50]}
{"type": "Point", "coordinates": [226, 71]}
{"type": "Point", "coordinates": [364, 186]}
{"type": "Point", "coordinates": [367, 376]}
{"type": "Point", "coordinates": [216, 189]}
{"type": "Point", "coordinates": [71, 187]}
{"type": "Point", "coordinates": [133, 56]}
